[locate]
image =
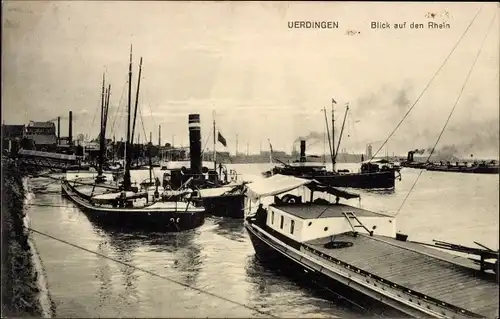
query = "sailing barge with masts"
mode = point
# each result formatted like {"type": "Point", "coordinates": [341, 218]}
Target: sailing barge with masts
{"type": "Point", "coordinates": [372, 174]}
{"type": "Point", "coordinates": [124, 206]}
{"type": "Point", "coordinates": [359, 255]}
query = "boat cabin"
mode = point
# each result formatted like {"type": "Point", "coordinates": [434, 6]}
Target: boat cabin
{"type": "Point", "coordinates": [379, 165]}
{"type": "Point", "coordinates": [306, 217]}
{"type": "Point", "coordinates": [300, 168]}
{"type": "Point", "coordinates": [176, 174]}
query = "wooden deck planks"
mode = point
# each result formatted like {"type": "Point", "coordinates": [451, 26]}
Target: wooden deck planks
{"type": "Point", "coordinates": [454, 280]}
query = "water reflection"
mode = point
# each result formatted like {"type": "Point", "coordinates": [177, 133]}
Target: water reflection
{"type": "Point", "coordinates": [380, 191]}
{"type": "Point", "coordinates": [232, 229]}
{"type": "Point", "coordinates": [174, 251]}
{"type": "Point", "coordinates": [219, 258]}
{"type": "Point", "coordinates": [273, 285]}
{"type": "Point", "coordinates": [103, 276]}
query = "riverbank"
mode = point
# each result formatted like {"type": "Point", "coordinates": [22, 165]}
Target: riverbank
{"type": "Point", "coordinates": [20, 288]}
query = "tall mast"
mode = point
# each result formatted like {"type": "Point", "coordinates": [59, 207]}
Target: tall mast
{"type": "Point", "coordinates": [149, 155]}
{"type": "Point", "coordinates": [136, 100]}
{"type": "Point", "coordinates": [126, 178]}
{"type": "Point", "coordinates": [333, 134]}
{"type": "Point", "coordinates": [101, 133]}
{"type": "Point", "coordinates": [342, 131]}
{"type": "Point", "coordinates": [160, 157]}
{"type": "Point", "coordinates": [107, 109]}
{"type": "Point", "coordinates": [215, 144]}
{"type": "Point", "coordinates": [328, 132]}
{"type": "Point", "coordinates": [324, 147]}
{"type": "Point", "coordinates": [236, 154]}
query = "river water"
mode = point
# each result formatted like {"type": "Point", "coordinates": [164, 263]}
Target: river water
{"type": "Point", "coordinates": [218, 258]}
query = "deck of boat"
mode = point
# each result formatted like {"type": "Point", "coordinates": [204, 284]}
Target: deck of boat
{"type": "Point", "coordinates": [313, 210]}
{"type": "Point", "coordinates": [451, 279]}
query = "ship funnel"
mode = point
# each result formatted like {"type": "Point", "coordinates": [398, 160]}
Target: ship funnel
{"type": "Point", "coordinates": [195, 143]}
{"type": "Point", "coordinates": [70, 133]}
{"type": "Point", "coordinates": [159, 136]}
{"type": "Point", "coordinates": [410, 156]}
{"type": "Point", "coordinates": [58, 130]}
{"type": "Point", "coordinates": [302, 150]}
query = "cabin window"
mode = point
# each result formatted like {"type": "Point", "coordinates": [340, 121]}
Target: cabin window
{"type": "Point", "coordinates": [272, 217]}
{"type": "Point", "coordinates": [292, 226]}
{"type": "Point", "coordinates": [282, 221]}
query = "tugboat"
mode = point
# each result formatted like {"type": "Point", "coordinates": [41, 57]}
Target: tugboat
{"type": "Point", "coordinates": [410, 160]}
{"type": "Point", "coordinates": [372, 174]}
{"type": "Point", "coordinates": [357, 253]}
{"type": "Point", "coordinates": [221, 196]}
{"type": "Point", "coordinates": [124, 205]}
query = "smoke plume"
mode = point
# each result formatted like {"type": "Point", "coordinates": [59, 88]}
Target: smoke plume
{"type": "Point", "coordinates": [311, 136]}
{"type": "Point", "coordinates": [76, 115]}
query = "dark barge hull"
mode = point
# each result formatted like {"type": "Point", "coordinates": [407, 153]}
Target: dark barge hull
{"type": "Point", "coordinates": [136, 219]}
{"type": "Point", "coordinates": [279, 260]}
{"type": "Point", "coordinates": [340, 272]}
{"type": "Point", "coordinates": [232, 206]}
{"type": "Point", "coordinates": [414, 165]}
{"type": "Point", "coordinates": [470, 170]}
{"type": "Point", "coordinates": [384, 179]}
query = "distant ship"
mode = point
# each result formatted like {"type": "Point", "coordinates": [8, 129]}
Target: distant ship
{"type": "Point", "coordinates": [373, 174]}
{"type": "Point", "coordinates": [483, 167]}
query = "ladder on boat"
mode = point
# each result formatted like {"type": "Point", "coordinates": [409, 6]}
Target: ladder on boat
{"type": "Point", "coordinates": [350, 216]}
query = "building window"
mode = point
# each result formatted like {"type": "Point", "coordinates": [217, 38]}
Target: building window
{"type": "Point", "coordinates": [282, 221]}
{"type": "Point", "coordinates": [272, 217]}
{"type": "Point", "coordinates": [292, 226]}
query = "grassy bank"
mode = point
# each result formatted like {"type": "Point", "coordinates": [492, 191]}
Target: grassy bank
{"type": "Point", "coordinates": [19, 278]}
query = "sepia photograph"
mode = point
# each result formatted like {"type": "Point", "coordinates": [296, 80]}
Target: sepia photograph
{"type": "Point", "coordinates": [250, 159]}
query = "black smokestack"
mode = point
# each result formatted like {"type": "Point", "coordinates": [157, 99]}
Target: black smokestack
{"type": "Point", "coordinates": [70, 133]}
{"type": "Point", "coordinates": [159, 135]}
{"type": "Point", "coordinates": [410, 156]}
{"type": "Point", "coordinates": [302, 150]}
{"type": "Point", "coordinates": [58, 129]}
{"type": "Point", "coordinates": [195, 143]}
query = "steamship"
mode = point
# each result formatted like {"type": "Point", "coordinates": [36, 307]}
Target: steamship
{"type": "Point", "coordinates": [373, 174]}
{"type": "Point", "coordinates": [475, 168]}
{"type": "Point", "coordinates": [121, 205]}
{"type": "Point", "coordinates": [483, 167]}
{"type": "Point", "coordinates": [219, 191]}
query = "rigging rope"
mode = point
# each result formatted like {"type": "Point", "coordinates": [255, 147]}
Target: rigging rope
{"type": "Point", "coordinates": [118, 109]}
{"type": "Point", "coordinates": [145, 137]}
{"type": "Point", "coordinates": [151, 273]}
{"type": "Point", "coordinates": [428, 85]}
{"type": "Point", "coordinates": [95, 114]}
{"type": "Point", "coordinates": [451, 112]}
{"type": "Point", "coordinates": [206, 142]}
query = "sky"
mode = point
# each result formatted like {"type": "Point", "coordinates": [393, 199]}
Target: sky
{"type": "Point", "coordinates": [261, 79]}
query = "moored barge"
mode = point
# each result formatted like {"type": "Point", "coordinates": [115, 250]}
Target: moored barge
{"type": "Point", "coordinates": [337, 245]}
